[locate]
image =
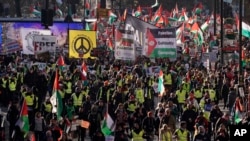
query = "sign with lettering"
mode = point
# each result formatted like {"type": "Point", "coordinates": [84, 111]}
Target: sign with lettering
{"type": "Point", "coordinates": [239, 132]}
{"type": "Point", "coordinates": [161, 43]}
{"type": "Point", "coordinates": [44, 43]}
{"type": "Point", "coordinates": [28, 35]}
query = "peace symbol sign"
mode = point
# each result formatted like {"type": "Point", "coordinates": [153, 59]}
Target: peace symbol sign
{"type": "Point", "coordinates": [82, 45]}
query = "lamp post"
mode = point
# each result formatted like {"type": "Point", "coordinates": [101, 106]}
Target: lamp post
{"type": "Point", "coordinates": [215, 11]}
{"type": "Point", "coordinates": [240, 44]}
{"type": "Point", "coordinates": [221, 31]}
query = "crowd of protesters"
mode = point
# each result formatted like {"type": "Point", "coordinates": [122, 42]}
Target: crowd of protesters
{"type": "Point", "coordinates": [191, 98]}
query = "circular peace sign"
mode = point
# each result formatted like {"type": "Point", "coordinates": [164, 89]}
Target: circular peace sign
{"type": "Point", "coordinates": [84, 46]}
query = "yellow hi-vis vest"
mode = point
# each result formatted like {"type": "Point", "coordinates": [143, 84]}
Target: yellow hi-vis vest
{"type": "Point", "coordinates": [62, 93]}
{"type": "Point", "coordinates": [47, 107]}
{"type": "Point", "coordinates": [4, 82]}
{"type": "Point", "coordinates": [181, 96]}
{"type": "Point", "coordinates": [168, 79]}
{"type": "Point", "coordinates": [77, 101]}
{"type": "Point", "coordinates": [212, 94]}
{"type": "Point", "coordinates": [166, 136]}
{"type": "Point", "coordinates": [197, 94]}
{"type": "Point", "coordinates": [29, 99]}
{"type": "Point", "coordinates": [85, 92]}
{"type": "Point", "coordinates": [108, 93]}
{"type": "Point", "coordinates": [139, 95]}
{"type": "Point", "coordinates": [182, 136]}
{"type": "Point", "coordinates": [69, 88]}
{"type": "Point", "coordinates": [131, 107]}
{"type": "Point", "coordinates": [137, 137]}
{"type": "Point", "coordinates": [12, 86]}
{"type": "Point", "coordinates": [120, 83]}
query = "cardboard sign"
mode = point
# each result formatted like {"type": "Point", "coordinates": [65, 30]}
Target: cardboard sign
{"type": "Point", "coordinates": [85, 124]}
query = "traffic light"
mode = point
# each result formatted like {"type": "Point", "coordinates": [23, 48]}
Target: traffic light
{"type": "Point", "coordinates": [47, 17]}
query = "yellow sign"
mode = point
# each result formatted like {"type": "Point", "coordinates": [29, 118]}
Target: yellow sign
{"type": "Point", "coordinates": [81, 43]}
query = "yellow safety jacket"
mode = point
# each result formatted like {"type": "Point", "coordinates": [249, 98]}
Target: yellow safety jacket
{"type": "Point", "coordinates": [137, 137]}
{"type": "Point", "coordinates": [168, 79]}
{"type": "Point", "coordinates": [85, 92]}
{"type": "Point", "coordinates": [139, 95]}
{"type": "Point", "coordinates": [12, 85]}
{"type": "Point", "coordinates": [47, 107]}
{"type": "Point", "coordinates": [186, 86]}
{"type": "Point", "coordinates": [29, 99]}
{"type": "Point", "coordinates": [212, 94]}
{"type": "Point", "coordinates": [198, 94]}
{"type": "Point", "coordinates": [182, 135]}
{"type": "Point", "coordinates": [77, 101]}
{"type": "Point", "coordinates": [120, 83]}
{"type": "Point", "coordinates": [62, 93]}
{"type": "Point", "coordinates": [205, 112]}
{"type": "Point", "coordinates": [69, 88]}
{"type": "Point", "coordinates": [167, 136]}
{"type": "Point", "coordinates": [4, 82]}
{"type": "Point", "coordinates": [108, 93]}
{"type": "Point", "coordinates": [131, 106]}
{"type": "Point", "coordinates": [181, 96]}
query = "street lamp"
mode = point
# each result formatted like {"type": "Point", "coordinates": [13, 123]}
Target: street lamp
{"type": "Point", "coordinates": [240, 44]}
{"type": "Point", "coordinates": [221, 31]}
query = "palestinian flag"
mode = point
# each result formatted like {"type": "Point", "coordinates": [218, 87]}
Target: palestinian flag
{"type": "Point", "coordinates": [60, 62]}
{"type": "Point", "coordinates": [238, 110]}
{"type": "Point", "coordinates": [56, 99]}
{"type": "Point", "coordinates": [110, 44]}
{"type": "Point", "coordinates": [157, 14]}
{"type": "Point", "coordinates": [124, 37]}
{"type": "Point", "coordinates": [138, 12]}
{"type": "Point", "coordinates": [112, 18]}
{"type": "Point", "coordinates": [35, 12]}
{"type": "Point", "coordinates": [205, 25]}
{"type": "Point", "coordinates": [151, 43]}
{"type": "Point", "coordinates": [23, 121]}
{"type": "Point", "coordinates": [108, 125]}
{"type": "Point", "coordinates": [161, 88]}
{"type": "Point", "coordinates": [198, 33]}
{"type": "Point", "coordinates": [84, 70]}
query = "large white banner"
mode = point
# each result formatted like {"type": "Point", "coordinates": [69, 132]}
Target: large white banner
{"type": "Point", "coordinates": [27, 36]}
{"type": "Point", "coordinates": [44, 43]}
{"type": "Point", "coordinates": [124, 45]}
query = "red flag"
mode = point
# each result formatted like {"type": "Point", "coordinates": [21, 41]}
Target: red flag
{"type": "Point", "coordinates": [84, 70]}
{"type": "Point", "coordinates": [56, 83]}
{"type": "Point", "coordinates": [110, 44]}
{"type": "Point", "coordinates": [60, 61]}
{"type": "Point", "coordinates": [151, 42]}
{"type": "Point", "coordinates": [94, 26]}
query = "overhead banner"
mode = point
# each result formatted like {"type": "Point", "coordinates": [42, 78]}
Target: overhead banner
{"type": "Point", "coordinates": [124, 45]}
{"type": "Point", "coordinates": [81, 43]}
{"type": "Point", "coordinates": [161, 43]}
{"type": "Point", "coordinates": [44, 43]}
{"type": "Point", "coordinates": [139, 28]}
{"type": "Point", "coordinates": [27, 36]}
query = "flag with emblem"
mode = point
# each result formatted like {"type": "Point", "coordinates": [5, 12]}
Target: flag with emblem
{"type": "Point", "coordinates": [161, 88]}
{"type": "Point", "coordinates": [56, 99]}
{"type": "Point", "coordinates": [108, 125]}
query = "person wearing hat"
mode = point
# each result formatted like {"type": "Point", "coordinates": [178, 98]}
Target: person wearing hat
{"type": "Point", "coordinates": [182, 134]}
